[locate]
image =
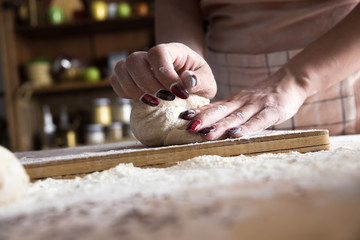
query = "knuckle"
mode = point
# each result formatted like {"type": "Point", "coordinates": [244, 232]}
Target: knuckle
{"type": "Point", "coordinates": [240, 115]}
{"type": "Point", "coordinates": [259, 118]}
{"type": "Point", "coordinates": [119, 66]}
{"type": "Point", "coordinates": [113, 80]}
{"type": "Point", "coordinates": [271, 101]}
{"type": "Point", "coordinates": [133, 58]}
{"type": "Point", "coordinates": [156, 51]}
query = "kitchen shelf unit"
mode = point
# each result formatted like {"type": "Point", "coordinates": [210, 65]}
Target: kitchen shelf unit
{"type": "Point", "coordinates": [88, 40]}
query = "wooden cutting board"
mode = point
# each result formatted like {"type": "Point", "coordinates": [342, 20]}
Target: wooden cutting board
{"type": "Point", "coordinates": [78, 161]}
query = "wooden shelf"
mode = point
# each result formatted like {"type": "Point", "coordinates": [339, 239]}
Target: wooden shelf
{"type": "Point", "coordinates": [71, 87]}
{"type": "Point", "coordinates": [87, 40]}
{"type": "Point", "coordinates": [86, 27]}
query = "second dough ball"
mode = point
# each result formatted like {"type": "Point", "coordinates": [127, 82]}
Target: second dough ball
{"type": "Point", "coordinates": [161, 125]}
{"type": "Point", "coordinates": [13, 177]}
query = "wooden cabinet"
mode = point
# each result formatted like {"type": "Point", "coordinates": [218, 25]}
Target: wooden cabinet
{"type": "Point", "coordinates": [87, 40]}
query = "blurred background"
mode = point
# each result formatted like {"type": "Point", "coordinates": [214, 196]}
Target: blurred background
{"type": "Point", "coordinates": [56, 57]}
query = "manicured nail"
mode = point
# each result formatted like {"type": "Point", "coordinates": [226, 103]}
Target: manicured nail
{"type": "Point", "coordinates": [232, 131]}
{"type": "Point", "coordinates": [188, 114]}
{"type": "Point", "coordinates": [207, 130]}
{"type": "Point", "coordinates": [179, 91]}
{"type": "Point", "coordinates": [191, 80]}
{"type": "Point", "coordinates": [150, 100]}
{"type": "Point", "coordinates": [165, 95]}
{"type": "Point", "coordinates": [193, 125]}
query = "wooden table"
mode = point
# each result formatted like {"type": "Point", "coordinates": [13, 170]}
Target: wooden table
{"type": "Point", "coordinates": [269, 209]}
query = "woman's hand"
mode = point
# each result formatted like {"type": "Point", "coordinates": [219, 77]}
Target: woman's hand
{"type": "Point", "coordinates": [251, 110]}
{"type": "Point", "coordinates": [165, 71]}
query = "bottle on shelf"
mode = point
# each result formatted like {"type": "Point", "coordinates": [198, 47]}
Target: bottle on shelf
{"type": "Point", "coordinates": [66, 135]}
{"type": "Point", "coordinates": [49, 129]}
{"type": "Point", "coordinates": [121, 113]}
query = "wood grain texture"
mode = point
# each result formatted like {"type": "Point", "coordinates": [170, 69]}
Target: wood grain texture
{"type": "Point", "coordinates": [80, 161]}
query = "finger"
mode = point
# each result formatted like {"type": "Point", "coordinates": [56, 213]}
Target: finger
{"type": "Point", "coordinates": [210, 114]}
{"type": "Point", "coordinates": [140, 71]}
{"type": "Point", "coordinates": [125, 85]}
{"type": "Point", "coordinates": [191, 113]}
{"type": "Point", "coordinates": [260, 121]}
{"type": "Point", "coordinates": [122, 80]}
{"type": "Point", "coordinates": [162, 61]}
{"type": "Point", "coordinates": [115, 84]}
{"type": "Point", "coordinates": [236, 118]}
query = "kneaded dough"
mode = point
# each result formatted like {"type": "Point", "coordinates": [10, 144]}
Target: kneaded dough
{"type": "Point", "coordinates": [161, 125]}
{"type": "Point", "coordinates": [13, 177]}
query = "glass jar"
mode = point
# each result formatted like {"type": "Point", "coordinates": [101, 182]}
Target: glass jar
{"type": "Point", "coordinates": [102, 111]}
{"type": "Point", "coordinates": [122, 110]}
{"type": "Point", "coordinates": [95, 134]}
{"type": "Point", "coordinates": [115, 132]}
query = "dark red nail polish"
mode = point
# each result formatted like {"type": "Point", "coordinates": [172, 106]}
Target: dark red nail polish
{"type": "Point", "coordinates": [180, 91]}
{"type": "Point", "coordinates": [207, 130]}
{"type": "Point", "coordinates": [165, 95]}
{"type": "Point", "coordinates": [188, 114]}
{"type": "Point", "coordinates": [150, 100]}
{"type": "Point", "coordinates": [193, 125]}
{"type": "Point", "coordinates": [232, 131]}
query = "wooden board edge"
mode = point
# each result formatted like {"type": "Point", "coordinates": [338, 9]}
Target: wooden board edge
{"type": "Point", "coordinates": [323, 138]}
{"type": "Point", "coordinates": [141, 160]}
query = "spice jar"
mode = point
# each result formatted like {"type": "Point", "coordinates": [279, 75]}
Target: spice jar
{"type": "Point", "coordinates": [122, 110]}
{"type": "Point", "coordinates": [102, 111]}
{"type": "Point", "coordinates": [115, 132]}
{"type": "Point", "coordinates": [95, 134]}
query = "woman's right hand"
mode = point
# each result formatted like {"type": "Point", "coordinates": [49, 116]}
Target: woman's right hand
{"type": "Point", "coordinates": [165, 71]}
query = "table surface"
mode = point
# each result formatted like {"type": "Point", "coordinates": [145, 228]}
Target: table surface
{"type": "Point", "coordinates": [273, 196]}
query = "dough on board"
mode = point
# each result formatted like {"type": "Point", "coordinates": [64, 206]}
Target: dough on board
{"type": "Point", "coordinates": [13, 177]}
{"type": "Point", "coordinates": [161, 125]}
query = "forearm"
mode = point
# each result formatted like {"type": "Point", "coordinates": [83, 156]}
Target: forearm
{"type": "Point", "coordinates": [331, 58]}
{"type": "Point", "coordinates": [179, 21]}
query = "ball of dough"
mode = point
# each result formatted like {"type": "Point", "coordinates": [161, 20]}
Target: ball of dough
{"type": "Point", "coordinates": [13, 177]}
{"type": "Point", "coordinates": [161, 125]}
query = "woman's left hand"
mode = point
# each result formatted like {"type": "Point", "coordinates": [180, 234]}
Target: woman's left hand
{"type": "Point", "coordinates": [277, 99]}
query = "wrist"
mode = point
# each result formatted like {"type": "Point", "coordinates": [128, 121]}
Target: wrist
{"type": "Point", "coordinates": [301, 80]}
{"type": "Point", "coordinates": [294, 86]}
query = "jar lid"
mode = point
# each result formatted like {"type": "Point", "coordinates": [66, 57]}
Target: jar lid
{"type": "Point", "coordinates": [115, 125]}
{"type": "Point", "coordinates": [101, 101]}
{"type": "Point", "coordinates": [94, 127]}
{"type": "Point", "coordinates": [123, 100]}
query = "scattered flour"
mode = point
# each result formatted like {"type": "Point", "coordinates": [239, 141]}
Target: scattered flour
{"type": "Point", "coordinates": [323, 169]}
{"type": "Point", "coordinates": [207, 192]}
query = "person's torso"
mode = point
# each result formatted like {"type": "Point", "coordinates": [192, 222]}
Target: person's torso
{"type": "Point", "coordinates": [255, 26]}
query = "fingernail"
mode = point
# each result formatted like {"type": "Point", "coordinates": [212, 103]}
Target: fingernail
{"type": "Point", "coordinates": [188, 114]}
{"type": "Point", "coordinates": [179, 91]}
{"type": "Point", "coordinates": [207, 130]}
{"type": "Point", "coordinates": [165, 95]}
{"type": "Point", "coordinates": [150, 100]}
{"type": "Point", "coordinates": [232, 131]}
{"type": "Point", "coordinates": [193, 125]}
{"type": "Point", "coordinates": [191, 80]}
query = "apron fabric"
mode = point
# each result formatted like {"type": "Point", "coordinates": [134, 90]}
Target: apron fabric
{"type": "Point", "coordinates": [334, 108]}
